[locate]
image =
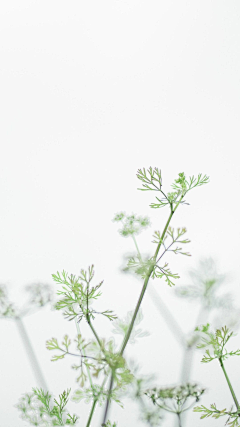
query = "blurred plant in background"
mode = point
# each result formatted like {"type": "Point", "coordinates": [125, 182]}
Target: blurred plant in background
{"type": "Point", "coordinates": [39, 295]}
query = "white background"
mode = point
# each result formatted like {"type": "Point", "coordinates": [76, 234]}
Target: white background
{"type": "Point", "coordinates": [91, 91]}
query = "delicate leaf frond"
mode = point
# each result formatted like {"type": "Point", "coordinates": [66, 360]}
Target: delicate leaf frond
{"type": "Point", "coordinates": [184, 186]}
{"type": "Point", "coordinates": [215, 413]}
{"type": "Point", "coordinates": [154, 182]}
{"type": "Point", "coordinates": [217, 341]}
{"type": "Point", "coordinates": [77, 296]}
{"type": "Point", "coordinates": [164, 272]}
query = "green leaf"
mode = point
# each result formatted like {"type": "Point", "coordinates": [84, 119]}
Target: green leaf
{"type": "Point", "coordinates": [164, 272]}
{"type": "Point", "coordinates": [52, 344]}
{"type": "Point", "coordinates": [153, 182]}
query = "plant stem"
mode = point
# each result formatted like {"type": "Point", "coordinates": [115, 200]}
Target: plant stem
{"type": "Point", "coordinates": [91, 413]}
{"type": "Point", "coordinates": [170, 320]}
{"type": "Point", "coordinates": [229, 383]}
{"type": "Point", "coordinates": [103, 350]}
{"type": "Point", "coordinates": [127, 336]}
{"type": "Point", "coordinates": [129, 331]}
{"type": "Point", "coordinates": [138, 251]}
{"type": "Point", "coordinates": [96, 336]}
{"type": "Point", "coordinates": [108, 401]}
{"type": "Point", "coordinates": [30, 352]}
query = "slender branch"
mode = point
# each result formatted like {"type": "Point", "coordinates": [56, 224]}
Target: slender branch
{"type": "Point", "coordinates": [96, 336]}
{"type": "Point", "coordinates": [91, 413]}
{"type": "Point", "coordinates": [96, 399]}
{"type": "Point", "coordinates": [144, 288]}
{"type": "Point", "coordinates": [229, 383]}
{"type": "Point", "coordinates": [108, 401]}
{"type": "Point", "coordinates": [166, 249]}
{"type": "Point", "coordinates": [136, 245]}
{"type": "Point", "coordinates": [77, 355]}
{"type": "Point", "coordinates": [103, 350]}
{"type": "Point", "coordinates": [170, 320]}
{"type": "Point", "coordinates": [30, 352]}
{"type": "Point", "coordinates": [127, 336]}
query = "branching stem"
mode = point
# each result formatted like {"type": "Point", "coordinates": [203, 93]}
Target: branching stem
{"type": "Point", "coordinates": [229, 384]}
{"type": "Point", "coordinates": [144, 288]}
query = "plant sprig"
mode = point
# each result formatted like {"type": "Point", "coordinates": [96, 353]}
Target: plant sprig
{"type": "Point", "coordinates": [181, 185]}
{"type": "Point", "coordinates": [216, 413]}
{"type": "Point", "coordinates": [217, 341]}
{"type": "Point", "coordinates": [37, 409]}
{"type": "Point", "coordinates": [79, 295]}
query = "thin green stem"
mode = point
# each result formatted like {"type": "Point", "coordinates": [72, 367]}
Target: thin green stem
{"type": "Point", "coordinates": [103, 350]}
{"type": "Point", "coordinates": [96, 399]}
{"type": "Point", "coordinates": [138, 251]}
{"type": "Point", "coordinates": [108, 400]}
{"type": "Point", "coordinates": [127, 336]}
{"type": "Point", "coordinates": [96, 336]}
{"type": "Point", "coordinates": [170, 320]}
{"type": "Point", "coordinates": [144, 288]}
{"type": "Point", "coordinates": [229, 384]}
{"type": "Point", "coordinates": [91, 413]}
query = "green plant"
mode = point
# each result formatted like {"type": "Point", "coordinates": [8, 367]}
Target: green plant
{"type": "Point", "coordinates": [217, 342]}
{"type": "Point", "coordinates": [100, 359]}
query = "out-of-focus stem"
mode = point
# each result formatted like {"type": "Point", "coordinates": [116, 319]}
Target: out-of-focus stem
{"type": "Point", "coordinates": [179, 420]}
{"type": "Point", "coordinates": [30, 352]}
{"type": "Point", "coordinates": [169, 318]}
